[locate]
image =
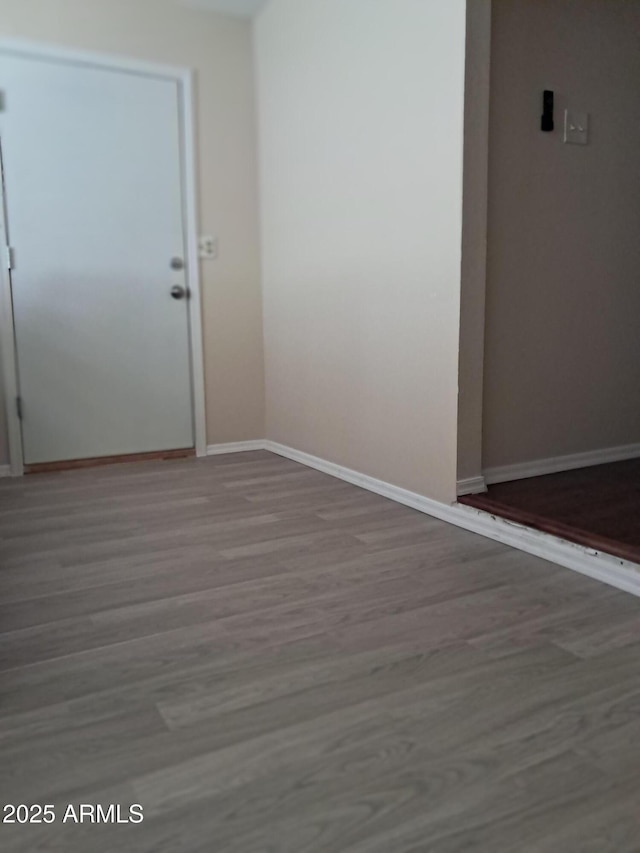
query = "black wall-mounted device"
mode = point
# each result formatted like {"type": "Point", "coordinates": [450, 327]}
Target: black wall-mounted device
{"type": "Point", "coordinates": [546, 122]}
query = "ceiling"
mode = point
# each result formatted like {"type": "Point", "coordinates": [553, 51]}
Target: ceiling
{"type": "Point", "coordinates": [240, 8]}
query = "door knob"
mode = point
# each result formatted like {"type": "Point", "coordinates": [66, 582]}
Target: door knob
{"type": "Point", "coordinates": [178, 292]}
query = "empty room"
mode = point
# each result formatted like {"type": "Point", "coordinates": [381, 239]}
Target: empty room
{"type": "Point", "coordinates": [324, 533]}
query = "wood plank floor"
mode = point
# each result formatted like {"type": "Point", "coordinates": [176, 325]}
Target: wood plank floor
{"type": "Point", "coordinates": [269, 659]}
{"type": "Point", "coordinates": [597, 506]}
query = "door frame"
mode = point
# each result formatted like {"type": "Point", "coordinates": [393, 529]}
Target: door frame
{"type": "Point", "coordinates": [184, 77]}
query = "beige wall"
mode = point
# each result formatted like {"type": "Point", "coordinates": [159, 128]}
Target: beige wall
{"type": "Point", "coordinates": [361, 125]}
{"type": "Point", "coordinates": [474, 238]}
{"type": "Point", "coordinates": [219, 49]}
{"type": "Point", "coordinates": [562, 369]}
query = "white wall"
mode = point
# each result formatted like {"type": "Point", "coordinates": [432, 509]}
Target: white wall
{"type": "Point", "coordinates": [562, 362]}
{"type": "Point", "coordinates": [361, 134]}
{"type": "Point", "coordinates": [4, 435]}
{"type": "Point", "coordinates": [220, 50]}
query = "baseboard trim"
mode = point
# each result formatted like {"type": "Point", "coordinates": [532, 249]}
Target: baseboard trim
{"type": "Point", "coordinates": [5, 470]}
{"type": "Point", "coordinates": [235, 447]}
{"type": "Point", "coordinates": [471, 486]}
{"type": "Point", "coordinates": [598, 565]}
{"type": "Point", "coordinates": [380, 487]}
{"type": "Point", "coordinates": [614, 571]}
{"type": "Point", "coordinates": [522, 470]}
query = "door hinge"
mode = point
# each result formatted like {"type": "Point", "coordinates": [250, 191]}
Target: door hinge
{"type": "Point", "coordinates": [19, 407]}
{"type": "Point", "coordinates": [10, 257]}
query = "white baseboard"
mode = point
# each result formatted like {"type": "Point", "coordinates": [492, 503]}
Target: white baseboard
{"type": "Point", "coordinates": [471, 486]}
{"type": "Point", "coordinates": [380, 487]}
{"type": "Point", "coordinates": [235, 447]}
{"type": "Point", "coordinates": [595, 564]}
{"type": "Point", "coordinates": [537, 468]}
{"type": "Point", "coordinates": [603, 567]}
{"type": "Point", "coordinates": [5, 470]}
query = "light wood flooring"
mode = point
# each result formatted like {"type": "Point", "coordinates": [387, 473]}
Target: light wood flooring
{"type": "Point", "coordinates": [270, 660]}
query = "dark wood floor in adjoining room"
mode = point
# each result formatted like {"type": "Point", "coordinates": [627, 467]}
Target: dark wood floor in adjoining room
{"type": "Point", "coordinates": [269, 659]}
{"type": "Point", "coordinates": [597, 506]}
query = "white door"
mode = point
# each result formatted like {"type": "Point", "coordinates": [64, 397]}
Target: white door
{"type": "Point", "coordinates": [93, 196]}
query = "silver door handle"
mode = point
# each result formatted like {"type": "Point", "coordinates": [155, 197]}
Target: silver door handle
{"type": "Point", "coordinates": [178, 292]}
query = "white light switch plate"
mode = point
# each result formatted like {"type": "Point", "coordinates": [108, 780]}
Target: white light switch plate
{"type": "Point", "coordinates": [208, 247]}
{"type": "Point", "coordinates": [576, 127]}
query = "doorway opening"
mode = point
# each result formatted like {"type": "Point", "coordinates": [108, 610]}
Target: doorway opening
{"type": "Point", "coordinates": [559, 412]}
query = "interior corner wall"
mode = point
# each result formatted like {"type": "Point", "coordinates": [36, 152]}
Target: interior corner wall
{"type": "Point", "coordinates": [474, 239]}
{"type": "Point", "coordinates": [562, 359]}
{"type": "Point", "coordinates": [219, 49]}
{"type": "Point", "coordinates": [361, 136]}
